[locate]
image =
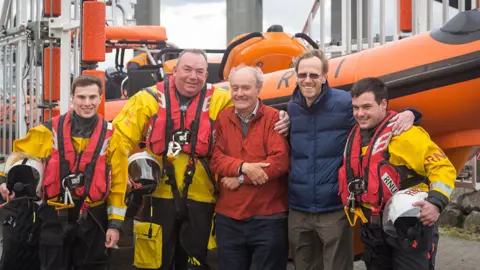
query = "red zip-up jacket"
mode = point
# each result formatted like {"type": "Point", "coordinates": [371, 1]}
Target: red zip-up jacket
{"type": "Point", "coordinates": [262, 144]}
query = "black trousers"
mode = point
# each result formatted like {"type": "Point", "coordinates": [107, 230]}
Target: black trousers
{"type": "Point", "coordinates": [20, 236]}
{"type": "Point", "coordinates": [181, 238]}
{"type": "Point", "coordinates": [263, 240]}
{"type": "Point", "coordinates": [433, 251]}
{"type": "Point", "coordinates": [384, 252]}
{"type": "Point", "coordinates": [75, 244]}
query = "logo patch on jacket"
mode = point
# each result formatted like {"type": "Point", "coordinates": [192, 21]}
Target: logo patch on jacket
{"type": "Point", "coordinates": [389, 183]}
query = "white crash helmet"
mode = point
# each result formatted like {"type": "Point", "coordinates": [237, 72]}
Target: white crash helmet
{"type": "Point", "coordinates": [399, 212]}
{"type": "Point", "coordinates": [24, 175]}
{"type": "Point", "coordinates": [144, 172]}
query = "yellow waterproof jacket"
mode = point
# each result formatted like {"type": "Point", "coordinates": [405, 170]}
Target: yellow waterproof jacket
{"type": "Point", "coordinates": [39, 142]}
{"type": "Point", "coordinates": [415, 150]}
{"type": "Point", "coordinates": [131, 123]}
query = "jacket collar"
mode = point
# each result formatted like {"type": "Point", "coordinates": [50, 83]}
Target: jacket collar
{"type": "Point", "coordinates": [298, 98]}
{"type": "Point", "coordinates": [251, 116]}
{"type": "Point", "coordinates": [83, 127]}
{"type": "Point", "coordinates": [258, 112]}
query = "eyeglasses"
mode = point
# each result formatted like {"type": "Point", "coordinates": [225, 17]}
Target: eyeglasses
{"type": "Point", "coordinates": [312, 76]}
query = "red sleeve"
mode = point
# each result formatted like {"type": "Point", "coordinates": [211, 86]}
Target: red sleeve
{"type": "Point", "coordinates": [221, 163]}
{"type": "Point", "coordinates": [277, 151]}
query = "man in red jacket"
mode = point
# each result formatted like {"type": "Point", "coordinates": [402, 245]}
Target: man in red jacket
{"type": "Point", "coordinates": [252, 161]}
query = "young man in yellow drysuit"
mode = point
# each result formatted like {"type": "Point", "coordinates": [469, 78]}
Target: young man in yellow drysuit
{"type": "Point", "coordinates": [83, 192]}
{"type": "Point", "coordinates": [377, 166]}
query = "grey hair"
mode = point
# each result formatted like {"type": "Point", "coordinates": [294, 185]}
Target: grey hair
{"type": "Point", "coordinates": [194, 51]}
{"type": "Point", "coordinates": [257, 73]}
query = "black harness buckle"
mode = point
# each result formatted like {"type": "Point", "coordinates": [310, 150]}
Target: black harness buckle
{"type": "Point", "coordinates": [182, 137]}
{"type": "Point", "coordinates": [356, 186]}
{"type": "Point", "coordinates": [74, 181]}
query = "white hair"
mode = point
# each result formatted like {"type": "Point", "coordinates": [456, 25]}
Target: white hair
{"type": "Point", "coordinates": [256, 71]}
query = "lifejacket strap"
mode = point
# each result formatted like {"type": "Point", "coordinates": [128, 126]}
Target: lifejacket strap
{"type": "Point", "coordinates": [89, 170]}
{"type": "Point", "coordinates": [64, 166]}
{"type": "Point", "coordinates": [348, 152]}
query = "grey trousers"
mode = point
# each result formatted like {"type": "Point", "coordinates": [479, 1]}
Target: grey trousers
{"type": "Point", "coordinates": [322, 241]}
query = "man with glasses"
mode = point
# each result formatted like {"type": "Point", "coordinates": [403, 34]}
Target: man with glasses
{"type": "Point", "coordinates": [321, 119]}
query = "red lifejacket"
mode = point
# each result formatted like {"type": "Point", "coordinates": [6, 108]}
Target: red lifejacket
{"type": "Point", "coordinates": [380, 177]}
{"type": "Point", "coordinates": [92, 162]}
{"type": "Point", "coordinates": [169, 120]}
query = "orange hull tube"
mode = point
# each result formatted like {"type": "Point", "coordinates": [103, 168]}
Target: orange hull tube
{"type": "Point", "coordinates": [136, 33]}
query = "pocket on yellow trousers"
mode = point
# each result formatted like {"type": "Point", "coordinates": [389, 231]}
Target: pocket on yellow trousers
{"type": "Point", "coordinates": [148, 245]}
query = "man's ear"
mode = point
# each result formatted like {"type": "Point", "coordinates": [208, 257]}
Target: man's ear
{"type": "Point", "coordinates": [384, 105]}
{"type": "Point", "coordinates": [324, 78]}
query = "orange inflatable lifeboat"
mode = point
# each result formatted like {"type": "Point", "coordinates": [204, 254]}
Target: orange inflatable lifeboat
{"type": "Point", "coordinates": [437, 73]}
{"type": "Point", "coordinates": [271, 51]}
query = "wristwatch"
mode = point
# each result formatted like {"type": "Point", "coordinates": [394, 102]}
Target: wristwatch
{"type": "Point", "coordinates": [240, 172]}
{"type": "Point", "coordinates": [241, 179]}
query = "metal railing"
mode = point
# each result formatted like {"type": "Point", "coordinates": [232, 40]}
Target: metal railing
{"type": "Point", "coordinates": [422, 18]}
{"type": "Point", "coordinates": [20, 86]}
{"type": "Point", "coordinates": [26, 29]}
{"type": "Point", "coordinates": [26, 32]}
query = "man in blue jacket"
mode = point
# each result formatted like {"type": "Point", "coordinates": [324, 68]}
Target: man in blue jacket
{"type": "Point", "coordinates": [321, 119]}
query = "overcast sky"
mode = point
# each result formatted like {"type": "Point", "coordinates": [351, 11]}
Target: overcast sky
{"type": "Point", "coordinates": [202, 23]}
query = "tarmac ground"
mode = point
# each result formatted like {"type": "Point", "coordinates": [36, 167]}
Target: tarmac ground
{"type": "Point", "coordinates": [453, 253]}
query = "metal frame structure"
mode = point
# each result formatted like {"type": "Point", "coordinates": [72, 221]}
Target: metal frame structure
{"type": "Point", "coordinates": [23, 37]}
{"type": "Point", "coordinates": [127, 7]}
{"type": "Point", "coordinates": [17, 54]}
{"type": "Point", "coordinates": [474, 177]}
{"type": "Point", "coordinates": [422, 21]}
{"type": "Point", "coordinates": [60, 28]}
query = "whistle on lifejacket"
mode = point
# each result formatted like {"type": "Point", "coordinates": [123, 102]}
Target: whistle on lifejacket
{"type": "Point", "coordinates": [66, 201]}
{"type": "Point", "coordinates": [60, 205]}
{"type": "Point", "coordinates": [173, 150]}
{"type": "Point", "coordinates": [353, 214]}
